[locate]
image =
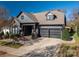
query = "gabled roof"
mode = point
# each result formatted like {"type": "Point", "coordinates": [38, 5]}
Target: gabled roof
{"type": "Point", "coordinates": [31, 16]}
{"type": "Point", "coordinates": [41, 17]}
{"type": "Point", "coordinates": [19, 14]}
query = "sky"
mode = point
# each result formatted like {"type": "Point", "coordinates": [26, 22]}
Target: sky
{"type": "Point", "coordinates": [14, 7]}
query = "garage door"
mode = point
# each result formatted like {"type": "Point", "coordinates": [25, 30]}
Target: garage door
{"type": "Point", "coordinates": [44, 32]}
{"type": "Point", "coordinates": [56, 33]}
{"type": "Point", "coordinates": [50, 32]}
{"type": "Point", "coordinates": [27, 30]}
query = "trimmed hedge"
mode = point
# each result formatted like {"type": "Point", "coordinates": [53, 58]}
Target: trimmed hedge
{"type": "Point", "coordinates": [65, 34]}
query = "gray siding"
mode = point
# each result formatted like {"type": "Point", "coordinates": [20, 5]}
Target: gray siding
{"type": "Point", "coordinates": [26, 19]}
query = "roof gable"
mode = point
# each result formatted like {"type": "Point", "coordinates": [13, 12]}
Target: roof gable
{"type": "Point", "coordinates": [15, 22]}
{"type": "Point", "coordinates": [28, 18]}
{"type": "Point", "coordinates": [41, 17]}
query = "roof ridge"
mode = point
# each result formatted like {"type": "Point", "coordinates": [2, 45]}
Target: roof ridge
{"type": "Point", "coordinates": [50, 10]}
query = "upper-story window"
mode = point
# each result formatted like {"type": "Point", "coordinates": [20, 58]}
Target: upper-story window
{"type": "Point", "coordinates": [51, 16]}
{"type": "Point", "coordinates": [22, 17]}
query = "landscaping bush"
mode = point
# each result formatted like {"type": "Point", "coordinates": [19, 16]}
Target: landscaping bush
{"type": "Point", "coordinates": [17, 35]}
{"type": "Point", "coordinates": [7, 35]}
{"type": "Point", "coordinates": [11, 36]}
{"type": "Point", "coordinates": [71, 32]}
{"type": "Point", "coordinates": [78, 30]}
{"type": "Point", "coordinates": [65, 34]}
{"type": "Point", "coordinates": [1, 33]}
{"type": "Point", "coordinates": [67, 50]}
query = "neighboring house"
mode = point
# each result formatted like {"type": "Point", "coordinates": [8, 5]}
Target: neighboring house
{"type": "Point", "coordinates": [4, 26]}
{"type": "Point", "coordinates": [9, 26]}
{"type": "Point", "coordinates": [45, 24]}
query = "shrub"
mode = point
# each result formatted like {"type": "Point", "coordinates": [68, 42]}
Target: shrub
{"type": "Point", "coordinates": [67, 50]}
{"type": "Point", "coordinates": [11, 36]}
{"type": "Point", "coordinates": [65, 34]}
{"type": "Point", "coordinates": [1, 33]}
{"type": "Point", "coordinates": [17, 35]}
{"type": "Point", "coordinates": [14, 35]}
{"type": "Point", "coordinates": [78, 30]}
{"type": "Point", "coordinates": [71, 32]}
{"type": "Point", "coordinates": [7, 35]}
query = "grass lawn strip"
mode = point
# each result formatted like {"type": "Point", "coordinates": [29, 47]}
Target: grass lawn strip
{"type": "Point", "coordinates": [10, 44]}
{"type": "Point", "coordinates": [16, 45]}
{"type": "Point", "coordinates": [3, 43]}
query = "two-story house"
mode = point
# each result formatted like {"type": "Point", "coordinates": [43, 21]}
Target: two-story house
{"type": "Point", "coordinates": [45, 24]}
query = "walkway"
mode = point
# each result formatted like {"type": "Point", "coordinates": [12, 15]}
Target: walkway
{"type": "Point", "coordinates": [37, 45]}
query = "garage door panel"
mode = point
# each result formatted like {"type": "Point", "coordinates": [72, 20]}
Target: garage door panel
{"type": "Point", "coordinates": [47, 32]}
{"type": "Point", "coordinates": [44, 32]}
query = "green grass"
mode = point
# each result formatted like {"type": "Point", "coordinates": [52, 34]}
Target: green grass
{"type": "Point", "coordinates": [76, 37]}
{"type": "Point", "coordinates": [3, 42]}
{"type": "Point", "coordinates": [10, 44]}
{"type": "Point", "coordinates": [16, 45]}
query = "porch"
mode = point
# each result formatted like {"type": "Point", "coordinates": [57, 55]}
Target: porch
{"type": "Point", "coordinates": [28, 28]}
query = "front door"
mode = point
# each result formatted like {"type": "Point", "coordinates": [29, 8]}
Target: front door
{"type": "Point", "coordinates": [27, 30]}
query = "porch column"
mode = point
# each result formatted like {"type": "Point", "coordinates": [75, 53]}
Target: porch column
{"type": "Point", "coordinates": [34, 34]}
{"type": "Point", "coordinates": [34, 27]}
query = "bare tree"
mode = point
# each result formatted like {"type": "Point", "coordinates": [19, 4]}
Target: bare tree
{"type": "Point", "coordinates": [75, 16]}
{"type": "Point", "coordinates": [4, 14]}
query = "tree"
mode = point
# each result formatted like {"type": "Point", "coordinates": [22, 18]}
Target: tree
{"type": "Point", "coordinates": [78, 30]}
{"type": "Point", "coordinates": [74, 19]}
{"type": "Point", "coordinates": [65, 34]}
{"type": "Point", "coordinates": [4, 14]}
{"type": "Point", "coordinates": [76, 16]}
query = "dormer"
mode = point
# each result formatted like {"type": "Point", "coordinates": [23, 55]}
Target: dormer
{"type": "Point", "coordinates": [50, 16]}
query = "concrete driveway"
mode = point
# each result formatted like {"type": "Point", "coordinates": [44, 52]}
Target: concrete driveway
{"type": "Point", "coordinates": [42, 43]}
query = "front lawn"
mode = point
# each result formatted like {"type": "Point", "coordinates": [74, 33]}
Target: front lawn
{"type": "Point", "coordinates": [3, 43]}
{"type": "Point", "coordinates": [10, 44]}
{"type": "Point", "coordinates": [76, 38]}
{"type": "Point", "coordinates": [16, 45]}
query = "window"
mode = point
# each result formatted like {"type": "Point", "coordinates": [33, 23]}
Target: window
{"type": "Point", "coordinates": [22, 17]}
{"type": "Point", "coordinates": [51, 16]}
